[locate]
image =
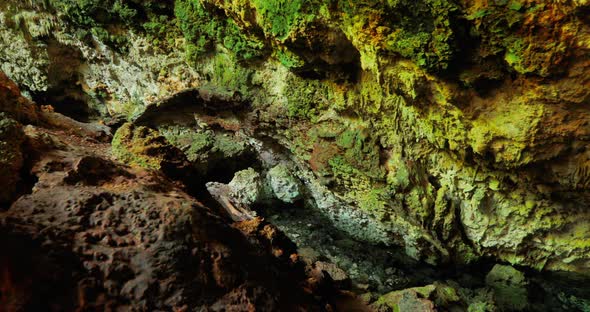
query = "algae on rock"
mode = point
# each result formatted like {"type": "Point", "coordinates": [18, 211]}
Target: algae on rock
{"type": "Point", "coordinates": [144, 147]}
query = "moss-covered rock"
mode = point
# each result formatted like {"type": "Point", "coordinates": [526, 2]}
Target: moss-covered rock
{"type": "Point", "coordinates": [411, 299]}
{"type": "Point", "coordinates": [248, 187]}
{"type": "Point", "coordinates": [509, 287]}
{"type": "Point", "coordinates": [144, 147]}
{"type": "Point", "coordinates": [203, 26]}
{"type": "Point", "coordinates": [459, 127]}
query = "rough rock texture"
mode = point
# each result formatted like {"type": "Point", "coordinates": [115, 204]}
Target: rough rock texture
{"type": "Point", "coordinates": [510, 286]}
{"type": "Point", "coordinates": [440, 119]}
{"type": "Point", "coordinates": [411, 299]}
{"type": "Point", "coordinates": [284, 185]}
{"type": "Point", "coordinates": [247, 186]}
{"type": "Point", "coordinates": [93, 234]}
{"type": "Point", "coordinates": [144, 147]}
{"type": "Point", "coordinates": [97, 235]}
{"type": "Point", "coordinates": [456, 130]}
{"type": "Point", "coordinates": [14, 109]}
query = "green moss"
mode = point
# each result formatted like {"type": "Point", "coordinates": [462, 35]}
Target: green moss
{"type": "Point", "coordinates": [394, 299]}
{"type": "Point", "coordinates": [200, 28]}
{"type": "Point", "coordinates": [306, 98]}
{"type": "Point", "coordinates": [162, 31]}
{"type": "Point", "coordinates": [96, 12]}
{"type": "Point", "coordinates": [140, 146]}
{"type": "Point", "coordinates": [374, 200]}
{"type": "Point", "coordinates": [203, 26]}
{"type": "Point", "coordinates": [227, 76]}
{"type": "Point", "coordinates": [229, 146]}
{"type": "Point", "coordinates": [289, 59]}
{"type": "Point", "coordinates": [280, 18]}
{"type": "Point", "coordinates": [509, 287]}
{"type": "Point", "coordinates": [116, 41]}
{"type": "Point", "coordinates": [361, 151]}
{"type": "Point", "coordinates": [505, 30]}
{"type": "Point", "coordinates": [195, 145]}
{"type": "Point", "coordinates": [108, 20]}
{"type": "Point", "coordinates": [419, 30]}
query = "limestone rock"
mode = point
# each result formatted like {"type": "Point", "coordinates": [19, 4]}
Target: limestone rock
{"type": "Point", "coordinates": [248, 187]}
{"type": "Point", "coordinates": [285, 186]}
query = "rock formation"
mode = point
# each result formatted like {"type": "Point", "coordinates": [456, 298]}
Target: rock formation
{"type": "Point", "coordinates": [428, 138]}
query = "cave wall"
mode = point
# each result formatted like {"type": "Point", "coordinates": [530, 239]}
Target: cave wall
{"type": "Point", "coordinates": [460, 127]}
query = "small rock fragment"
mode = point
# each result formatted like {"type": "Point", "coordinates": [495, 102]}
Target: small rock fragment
{"type": "Point", "coordinates": [337, 275]}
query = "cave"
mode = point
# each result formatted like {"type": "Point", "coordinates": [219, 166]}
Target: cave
{"type": "Point", "coordinates": [197, 155]}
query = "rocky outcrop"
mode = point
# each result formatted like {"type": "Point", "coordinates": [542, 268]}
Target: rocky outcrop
{"type": "Point", "coordinates": [447, 127]}
{"type": "Point", "coordinates": [454, 130]}
{"type": "Point", "coordinates": [94, 234]}
{"type": "Point", "coordinates": [510, 286]}
{"type": "Point", "coordinates": [14, 109]}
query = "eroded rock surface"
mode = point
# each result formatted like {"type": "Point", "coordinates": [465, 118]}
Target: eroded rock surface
{"type": "Point", "coordinates": [94, 234]}
{"type": "Point", "coordinates": [454, 131]}
{"type": "Point", "coordinates": [131, 239]}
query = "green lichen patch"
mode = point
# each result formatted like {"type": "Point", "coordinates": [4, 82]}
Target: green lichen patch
{"type": "Point", "coordinates": [281, 18]}
{"type": "Point", "coordinates": [531, 36]}
{"type": "Point", "coordinates": [285, 186]}
{"type": "Point", "coordinates": [204, 26]}
{"type": "Point", "coordinates": [142, 146]}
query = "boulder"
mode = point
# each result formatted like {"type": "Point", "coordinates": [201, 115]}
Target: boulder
{"type": "Point", "coordinates": [285, 186]}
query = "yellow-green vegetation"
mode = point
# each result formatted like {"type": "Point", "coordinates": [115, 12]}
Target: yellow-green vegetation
{"type": "Point", "coordinates": [306, 98]}
{"type": "Point", "coordinates": [280, 19]}
{"type": "Point", "coordinates": [141, 146]}
{"type": "Point", "coordinates": [503, 28]}
{"type": "Point", "coordinates": [509, 287]}
{"type": "Point", "coordinates": [194, 144]}
{"type": "Point", "coordinates": [409, 128]}
{"type": "Point", "coordinates": [394, 299]}
{"type": "Point", "coordinates": [203, 27]}
{"type": "Point", "coordinates": [204, 146]}
{"type": "Point", "coordinates": [109, 20]}
{"type": "Point", "coordinates": [289, 59]}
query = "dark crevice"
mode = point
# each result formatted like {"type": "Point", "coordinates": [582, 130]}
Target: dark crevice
{"type": "Point", "coordinates": [65, 93]}
{"type": "Point", "coordinates": [73, 106]}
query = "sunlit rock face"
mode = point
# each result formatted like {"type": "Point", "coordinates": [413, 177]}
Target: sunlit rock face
{"type": "Point", "coordinates": [457, 130]}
